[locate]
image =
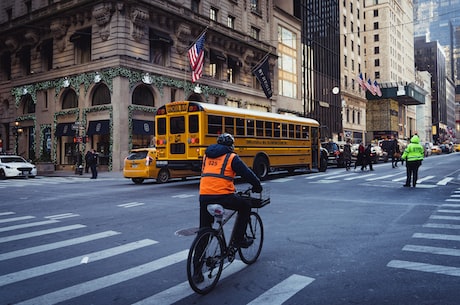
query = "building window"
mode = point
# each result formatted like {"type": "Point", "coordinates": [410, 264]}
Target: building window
{"type": "Point", "coordinates": [24, 60]}
{"type": "Point", "coordinates": [82, 45]}
{"type": "Point", "coordinates": [377, 74]}
{"type": "Point", "coordinates": [377, 62]}
{"type": "Point", "coordinates": [255, 6]}
{"type": "Point", "coordinates": [376, 37]}
{"type": "Point", "coordinates": [195, 6]}
{"type": "Point", "coordinates": [359, 118]}
{"type": "Point", "coordinates": [233, 69]}
{"type": "Point", "coordinates": [344, 21]}
{"type": "Point", "coordinates": [255, 33]}
{"type": "Point", "coordinates": [353, 65]}
{"type": "Point", "coordinates": [376, 50]}
{"type": "Point", "coordinates": [216, 59]}
{"type": "Point", "coordinates": [376, 25]}
{"type": "Point", "coordinates": [160, 44]}
{"type": "Point", "coordinates": [348, 115]}
{"type": "Point", "coordinates": [353, 117]}
{"type": "Point", "coordinates": [69, 99]}
{"type": "Point", "coordinates": [46, 54]}
{"type": "Point", "coordinates": [213, 13]}
{"type": "Point", "coordinates": [28, 104]}
{"type": "Point", "coordinates": [376, 13]}
{"type": "Point", "coordinates": [345, 61]}
{"type": "Point", "coordinates": [351, 27]}
{"type": "Point", "coordinates": [5, 66]}
{"type": "Point", "coordinates": [142, 95]}
{"type": "Point", "coordinates": [231, 22]}
{"type": "Point", "coordinates": [287, 62]}
{"type": "Point", "coordinates": [353, 84]}
{"type": "Point", "coordinates": [101, 95]}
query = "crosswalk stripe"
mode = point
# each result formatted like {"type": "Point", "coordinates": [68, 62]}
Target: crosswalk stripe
{"type": "Point", "coordinates": [183, 290]}
{"type": "Point", "coordinates": [447, 270]}
{"type": "Point", "coordinates": [441, 226]}
{"type": "Point", "coordinates": [62, 216]}
{"type": "Point", "coordinates": [28, 225]}
{"type": "Point", "coordinates": [281, 292]}
{"type": "Point", "coordinates": [72, 262]}
{"type": "Point", "coordinates": [445, 217]}
{"type": "Point", "coordinates": [432, 250]}
{"type": "Point", "coordinates": [130, 204]}
{"type": "Point", "coordinates": [359, 177]}
{"type": "Point", "coordinates": [340, 176]}
{"type": "Point", "coordinates": [420, 180]}
{"type": "Point", "coordinates": [436, 236]}
{"type": "Point", "coordinates": [56, 245]}
{"type": "Point", "coordinates": [399, 179]}
{"type": "Point", "coordinates": [16, 219]}
{"type": "Point", "coordinates": [450, 205]}
{"type": "Point", "coordinates": [445, 181]}
{"type": "Point", "coordinates": [6, 213]}
{"type": "Point", "coordinates": [448, 211]}
{"type": "Point", "coordinates": [106, 281]}
{"type": "Point", "coordinates": [452, 199]}
{"type": "Point", "coordinates": [379, 178]}
{"type": "Point", "coordinates": [40, 233]}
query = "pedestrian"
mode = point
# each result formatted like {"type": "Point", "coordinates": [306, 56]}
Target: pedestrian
{"type": "Point", "coordinates": [347, 154]}
{"type": "Point", "coordinates": [360, 157]}
{"type": "Point", "coordinates": [413, 155]}
{"type": "Point", "coordinates": [367, 157]}
{"type": "Point", "coordinates": [396, 153]}
{"type": "Point", "coordinates": [87, 160]}
{"type": "Point", "coordinates": [93, 164]}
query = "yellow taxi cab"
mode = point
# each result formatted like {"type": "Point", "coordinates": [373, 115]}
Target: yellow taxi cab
{"type": "Point", "coordinates": [140, 164]}
{"type": "Point", "coordinates": [457, 147]}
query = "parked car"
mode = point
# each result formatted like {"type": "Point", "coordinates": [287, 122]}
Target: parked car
{"type": "Point", "coordinates": [140, 164]}
{"type": "Point", "coordinates": [446, 148]}
{"type": "Point", "coordinates": [427, 147]}
{"type": "Point", "coordinates": [16, 166]}
{"type": "Point", "coordinates": [435, 149]}
{"type": "Point", "coordinates": [335, 156]}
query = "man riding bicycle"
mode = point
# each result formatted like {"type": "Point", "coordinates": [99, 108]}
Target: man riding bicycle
{"type": "Point", "coordinates": [220, 166]}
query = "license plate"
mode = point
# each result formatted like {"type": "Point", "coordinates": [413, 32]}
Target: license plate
{"type": "Point", "coordinates": [25, 173]}
{"type": "Point", "coordinates": [133, 165]}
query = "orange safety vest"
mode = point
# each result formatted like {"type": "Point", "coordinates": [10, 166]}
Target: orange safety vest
{"type": "Point", "coordinates": [217, 175]}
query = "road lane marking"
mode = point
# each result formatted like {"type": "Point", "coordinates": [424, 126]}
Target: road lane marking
{"type": "Point", "coordinates": [436, 236]}
{"type": "Point", "coordinates": [56, 245]}
{"type": "Point", "coordinates": [28, 225]}
{"type": "Point", "coordinates": [106, 281]}
{"type": "Point", "coordinates": [183, 290]}
{"type": "Point", "coordinates": [432, 250]}
{"type": "Point", "coordinates": [182, 196]}
{"type": "Point", "coordinates": [62, 216]}
{"type": "Point", "coordinates": [325, 181]}
{"type": "Point", "coordinates": [441, 226]}
{"type": "Point", "coordinates": [283, 291]}
{"type": "Point", "coordinates": [440, 269]}
{"type": "Point", "coordinates": [40, 233]}
{"type": "Point", "coordinates": [280, 180]}
{"type": "Point", "coordinates": [16, 219]}
{"type": "Point", "coordinates": [130, 204]}
{"type": "Point", "coordinates": [7, 213]}
{"type": "Point", "coordinates": [72, 262]}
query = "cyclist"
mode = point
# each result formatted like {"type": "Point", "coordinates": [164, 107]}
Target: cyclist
{"type": "Point", "coordinates": [220, 166]}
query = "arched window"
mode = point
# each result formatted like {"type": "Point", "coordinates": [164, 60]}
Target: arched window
{"type": "Point", "coordinates": [101, 95]}
{"type": "Point", "coordinates": [69, 99]}
{"type": "Point", "coordinates": [142, 95]}
{"type": "Point", "coordinates": [28, 103]}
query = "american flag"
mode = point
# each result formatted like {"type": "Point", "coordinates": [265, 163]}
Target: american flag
{"type": "Point", "coordinates": [361, 81]}
{"type": "Point", "coordinates": [196, 57]}
{"type": "Point", "coordinates": [377, 88]}
{"type": "Point", "coordinates": [368, 85]}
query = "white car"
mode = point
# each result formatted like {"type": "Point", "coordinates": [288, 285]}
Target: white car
{"type": "Point", "coordinates": [16, 166]}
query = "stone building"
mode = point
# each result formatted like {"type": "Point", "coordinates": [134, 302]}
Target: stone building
{"type": "Point", "coordinates": [76, 75]}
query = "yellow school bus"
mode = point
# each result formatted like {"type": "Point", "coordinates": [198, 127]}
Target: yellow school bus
{"type": "Point", "coordinates": [264, 141]}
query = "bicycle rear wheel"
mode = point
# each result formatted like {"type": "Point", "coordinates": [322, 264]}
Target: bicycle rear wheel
{"type": "Point", "coordinates": [254, 231]}
{"type": "Point", "coordinates": [205, 261]}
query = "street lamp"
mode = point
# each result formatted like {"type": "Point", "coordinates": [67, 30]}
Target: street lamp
{"type": "Point", "coordinates": [17, 131]}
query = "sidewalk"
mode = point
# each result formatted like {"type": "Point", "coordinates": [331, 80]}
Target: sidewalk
{"type": "Point", "coordinates": [67, 173]}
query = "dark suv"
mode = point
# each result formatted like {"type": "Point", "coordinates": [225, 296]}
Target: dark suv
{"type": "Point", "coordinates": [335, 156]}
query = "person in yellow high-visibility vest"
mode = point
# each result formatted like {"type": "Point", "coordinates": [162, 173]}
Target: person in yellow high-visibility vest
{"type": "Point", "coordinates": [413, 155]}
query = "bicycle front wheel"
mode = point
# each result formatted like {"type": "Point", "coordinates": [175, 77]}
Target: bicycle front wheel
{"type": "Point", "coordinates": [254, 231]}
{"type": "Point", "coordinates": [205, 261]}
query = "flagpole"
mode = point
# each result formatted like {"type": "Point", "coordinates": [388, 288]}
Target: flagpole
{"type": "Point", "coordinates": [263, 58]}
{"type": "Point", "coordinates": [198, 37]}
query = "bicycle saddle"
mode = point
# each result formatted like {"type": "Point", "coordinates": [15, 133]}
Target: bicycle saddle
{"type": "Point", "coordinates": [215, 210]}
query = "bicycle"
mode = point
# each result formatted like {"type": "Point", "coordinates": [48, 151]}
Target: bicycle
{"type": "Point", "coordinates": [210, 249]}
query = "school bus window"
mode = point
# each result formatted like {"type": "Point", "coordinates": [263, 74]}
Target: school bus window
{"type": "Point", "coordinates": [177, 124]}
{"type": "Point", "coordinates": [214, 124]}
{"type": "Point", "coordinates": [291, 131]}
{"type": "Point", "coordinates": [284, 130]}
{"type": "Point", "coordinates": [193, 126]}
{"type": "Point", "coordinates": [305, 133]}
{"type": "Point", "coordinates": [250, 127]}
{"type": "Point", "coordinates": [161, 126]}
{"type": "Point", "coordinates": [240, 127]}
{"type": "Point", "coordinates": [260, 128]}
{"type": "Point", "coordinates": [269, 129]}
{"type": "Point", "coordinates": [229, 125]}
{"type": "Point", "coordinates": [277, 130]}
{"type": "Point", "coordinates": [297, 132]}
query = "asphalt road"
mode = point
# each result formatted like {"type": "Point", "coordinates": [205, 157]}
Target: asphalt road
{"type": "Point", "coordinates": [330, 238]}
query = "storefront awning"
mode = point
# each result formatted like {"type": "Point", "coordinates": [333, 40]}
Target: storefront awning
{"type": "Point", "coordinates": [64, 130]}
{"type": "Point", "coordinates": [98, 127]}
{"type": "Point", "coordinates": [141, 127]}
